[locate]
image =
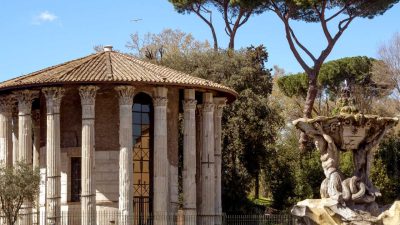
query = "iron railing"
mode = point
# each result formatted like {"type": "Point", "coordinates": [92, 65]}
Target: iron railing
{"type": "Point", "coordinates": [113, 218]}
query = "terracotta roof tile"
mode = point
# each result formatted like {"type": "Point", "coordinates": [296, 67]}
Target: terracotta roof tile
{"type": "Point", "coordinates": [109, 67]}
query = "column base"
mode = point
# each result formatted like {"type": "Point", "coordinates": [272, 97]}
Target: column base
{"type": "Point", "coordinates": [190, 216]}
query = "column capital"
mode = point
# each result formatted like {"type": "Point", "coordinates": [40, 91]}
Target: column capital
{"type": "Point", "coordinates": [160, 97]}
{"type": "Point", "coordinates": [220, 103]}
{"type": "Point", "coordinates": [160, 101]}
{"type": "Point", "coordinates": [189, 104]}
{"type": "Point", "coordinates": [125, 94]}
{"type": "Point", "coordinates": [208, 107]}
{"type": "Point", "coordinates": [25, 98]}
{"type": "Point", "coordinates": [54, 94]}
{"type": "Point", "coordinates": [6, 104]}
{"type": "Point", "coordinates": [88, 94]}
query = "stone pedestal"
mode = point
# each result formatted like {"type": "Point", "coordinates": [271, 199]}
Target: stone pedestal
{"type": "Point", "coordinates": [189, 158]}
{"type": "Point", "coordinates": [125, 201]}
{"type": "Point", "coordinates": [330, 212]}
{"type": "Point", "coordinates": [53, 154]}
{"type": "Point", "coordinates": [88, 193]}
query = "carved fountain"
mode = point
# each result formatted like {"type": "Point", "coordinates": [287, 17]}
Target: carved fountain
{"type": "Point", "coordinates": [346, 200]}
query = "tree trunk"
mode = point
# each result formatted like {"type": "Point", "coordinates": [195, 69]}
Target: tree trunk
{"type": "Point", "coordinates": [311, 94]}
{"type": "Point", "coordinates": [214, 38]}
{"type": "Point", "coordinates": [310, 99]}
{"type": "Point", "coordinates": [231, 45]}
{"type": "Point", "coordinates": [257, 187]}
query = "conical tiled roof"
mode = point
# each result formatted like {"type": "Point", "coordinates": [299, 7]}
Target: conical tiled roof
{"type": "Point", "coordinates": [112, 67]}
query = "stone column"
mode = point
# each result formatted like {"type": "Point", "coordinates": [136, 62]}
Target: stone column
{"type": "Point", "coordinates": [42, 187]}
{"type": "Point", "coordinates": [53, 152]}
{"type": "Point", "coordinates": [6, 104]}
{"type": "Point", "coordinates": [25, 99]}
{"type": "Point", "coordinates": [36, 153]}
{"type": "Point", "coordinates": [160, 202]}
{"type": "Point", "coordinates": [220, 103]}
{"type": "Point", "coordinates": [207, 209]}
{"type": "Point", "coordinates": [125, 201]}
{"type": "Point", "coordinates": [36, 137]}
{"type": "Point", "coordinates": [15, 135]}
{"type": "Point", "coordinates": [189, 157]}
{"type": "Point", "coordinates": [199, 148]}
{"type": "Point", "coordinates": [88, 193]}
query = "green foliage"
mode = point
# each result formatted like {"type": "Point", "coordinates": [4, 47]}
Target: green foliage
{"type": "Point", "coordinates": [356, 70]}
{"type": "Point", "coordinates": [385, 172]}
{"type": "Point", "coordinates": [346, 163]}
{"type": "Point", "coordinates": [17, 184]}
{"type": "Point", "coordinates": [233, 12]}
{"type": "Point", "coordinates": [294, 85]}
{"type": "Point", "coordinates": [187, 6]}
{"type": "Point", "coordinates": [305, 10]}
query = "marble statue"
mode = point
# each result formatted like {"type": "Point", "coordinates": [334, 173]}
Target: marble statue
{"type": "Point", "coordinates": [344, 200]}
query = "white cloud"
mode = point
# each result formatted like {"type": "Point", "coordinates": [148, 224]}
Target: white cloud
{"type": "Point", "coordinates": [43, 17]}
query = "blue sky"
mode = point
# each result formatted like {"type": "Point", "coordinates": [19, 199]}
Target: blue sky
{"type": "Point", "coordinates": [39, 33]}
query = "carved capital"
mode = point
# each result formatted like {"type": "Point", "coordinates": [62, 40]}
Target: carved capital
{"type": "Point", "coordinates": [25, 98]}
{"type": "Point", "coordinates": [220, 103]}
{"type": "Point", "coordinates": [53, 98]}
{"type": "Point", "coordinates": [88, 94]}
{"type": "Point", "coordinates": [219, 110]}
{"type": "Point", "coordinates": [125, 94]}
{"type": "Point", "coordinates": [189, 104]}
{"type": "Point", "coordinates": [6, 104]}
{"type": "Point", "coordinates": [160, 101]}
{"type": "Point", "coordinates": [208, 107]}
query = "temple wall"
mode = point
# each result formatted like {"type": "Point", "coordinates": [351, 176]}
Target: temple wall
{"type": "Point", "coordinates": [107, 121]}
{"type": "Point", "coordinates": [105, 175]}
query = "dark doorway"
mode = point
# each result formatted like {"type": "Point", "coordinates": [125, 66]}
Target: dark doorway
{"type": "Point", "coordinates": [142, 112]}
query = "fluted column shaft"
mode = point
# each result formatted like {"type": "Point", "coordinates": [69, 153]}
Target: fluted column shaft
{"type": "Point", "coordinates": [207, 160]}
{"type": "Point", "coordinates": [189, 157]}
{"type": "Point", "coordinates": [25, 99]}
{"type": "Point", "coordinates": [15, 136]}
{"type": "Point", "coordinates": [160, 204]}
{"type": "Point", "coordinates": [88, 193]}
{"type": "Point", "coordinates": [6, 148]}
{"type": "Point", "coordinates": [36, 153]}
{"type": "Point", "coordinates": [53, 103]}
{"type": "Point", "coordinates": [219, 106]}
{"type": "Point", "coordinates": [126, 94]}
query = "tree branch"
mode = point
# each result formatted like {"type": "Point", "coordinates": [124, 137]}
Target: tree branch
{"type": "Point", "coordinates": [301, 45]}
{"type": "Point", "coordinates": [345, 7]}
{"type": "Point", "coordinates": [324, 54]}
{"type": "Point", "coordinates": [247, 16]}
{"type": "Point", "coordinates": [285, 20]}
{"type": "Point", "coordinates": [225, 16]}
{"type": "Point", "coordinates": [321, 16]}
{"type": "Point", "coordinates": [336, 14]}
{"type": "Point", "coordinates": [208, 22]}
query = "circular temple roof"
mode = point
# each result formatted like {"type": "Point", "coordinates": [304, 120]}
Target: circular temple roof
{"type": "Point", "coordinates": [111, 67]}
